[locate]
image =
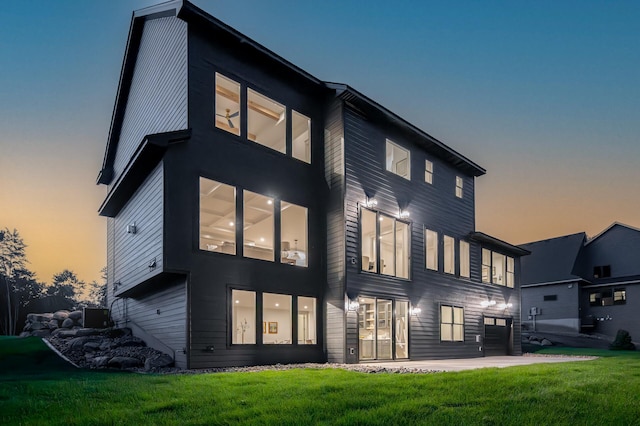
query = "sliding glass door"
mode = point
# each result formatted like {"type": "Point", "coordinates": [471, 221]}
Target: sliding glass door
{"type": "Point", "coordinates": [383, 332]}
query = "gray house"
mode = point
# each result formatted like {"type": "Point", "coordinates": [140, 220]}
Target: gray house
{"type": "Point", "coordinates": [576, 284]}
{"type": "Point", "coordinates": [257, 214]}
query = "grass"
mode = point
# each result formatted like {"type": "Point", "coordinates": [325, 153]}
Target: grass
{"type": "Point", "coordinates": [37, 390]}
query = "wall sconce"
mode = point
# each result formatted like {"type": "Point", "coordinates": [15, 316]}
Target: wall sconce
{"type": "Point", "coordinates": [504, 305]}
{"type": "Point", "coordinates": [353, 305]}
{"type": "Point", "coordinates": [487, 303]}
{"type": "Point", "coordinates": [415, 311]}
{"type": "Point", "coordinates": [152, 265]}
{"type": "Point", "coordinates": [371, 202]}
{"type": "Point", "coordinates": [404, 214]}
{"type": "Point", "coordinates": [131, 229]}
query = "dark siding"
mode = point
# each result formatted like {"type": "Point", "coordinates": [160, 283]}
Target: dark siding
{"type": "Point", "coordinates": [158, 96]}
{"type": "Point", "coordinates": [110, 258]}
{"type": "Point", "coordinates": [134, 252]}
{"type": "Point", "coordinates": [618, 247]}
{"type": "Point", "coordinates": [334, 175]}
{"type": "Point", "coordinates": [556, 315]}
{"type": "Point", "coordinates": [610, 319]}
{"type": "Point", "coordinates": [433, 206]}
{"type": "Point", "coordinates": [162, 314]}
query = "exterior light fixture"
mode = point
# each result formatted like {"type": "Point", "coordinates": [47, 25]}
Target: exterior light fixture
{"type": "Point", "coordinates": [353, 305]}
{"type": "Point", "coordinates": [131, 229]}
{"type": "Point", "coordinates": [487, 303]}
{"type": "Point", "coordinates": [415, 311]}
{"type": "Point", "coordinates": [505, 305]}
{"type": "Point", "coordinates": [371, 202]}
{"type": "Point", "coordinates": [404, 214]}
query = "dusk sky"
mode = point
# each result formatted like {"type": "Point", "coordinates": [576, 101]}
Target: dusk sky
{"type": "Point", "coordinates": [545, 95]}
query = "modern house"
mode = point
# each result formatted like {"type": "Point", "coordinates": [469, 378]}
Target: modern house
{"type": "Point", "coordinates": [257, 214]}
{"type": "Point", "coordinates": [579, 284]}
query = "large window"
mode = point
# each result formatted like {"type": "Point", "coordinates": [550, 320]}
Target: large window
{"type": "Point", "coordinates": [465, 270]}
{"type": "Point", "coordinates": [497, 268]}
{"type": "Point", "coordinates": [451, 324]}
{"type": "Point", "coordinates": [217, 217]}
{"type": "Point", "coordinates": [243, 317]}
{"type": "Point", "coordinates": [307, 321]}
{"type": "Point", "coordinates": [276, 318]}
{"type": "Point", "coordinates": [459, 187]}
{"type": "Point", "coordinates": [608, 297]}
{"type": "Point", "coordinates": [449, 255]}
{"type": "Point", "coordinates": [258, 222]}
{"type": "Point", "coordinates": [293, 234]}
{"type": "Point", "coordinates": [384, 234]}
{"type": "Point", "coordinates": [227, 104]}
{"type": "Point", "coordinates": [431, 249]}
{"type": "Point", "coordinates": [300, 137]}
{"type": "Point", "coordinates": [266, 121]}
{"type": "Point", "coordinates": [428, 171]}
{"type": "Point", "coordinates": [398, 160]}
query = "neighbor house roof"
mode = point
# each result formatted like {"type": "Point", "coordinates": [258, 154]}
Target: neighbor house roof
{"type": "Point", "coordinates": [552, 260]}
{"type": "Point", "coordinates": [610, 227]}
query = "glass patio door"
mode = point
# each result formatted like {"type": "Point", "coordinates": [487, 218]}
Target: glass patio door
{"type": "Point", "coordinates": [382, 335]}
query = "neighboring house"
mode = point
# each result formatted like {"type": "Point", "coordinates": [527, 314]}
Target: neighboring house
{"type": "Point", "coordinates": [575, 284]}
{"type": "Point", "coordinates": [259, 215]}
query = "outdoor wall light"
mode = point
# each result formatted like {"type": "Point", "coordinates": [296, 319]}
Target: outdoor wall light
{"type": "Point", "coordinates": [415, 311]}
{"type": "Point", "coordinates": [131, 229]}
{"type": "Point", "coordinates": [353, 305]}
{"type": "Point", "coordinates": [371, 202]}
{"type": "Point", "coordinates": [404, 214]}
{"type": "Point", "coordinates": [504, 305]}
{"type": "Point", "coordinates": [487, 303]}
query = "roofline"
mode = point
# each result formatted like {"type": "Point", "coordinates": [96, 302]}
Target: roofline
{"type": "Point", "coordinates": [576, 279]}
{"type": "Point", "coordinates": [607, 230]}
{"type": "Point", "coordinates": [553, 238]}
{"type": "Point", "coordinates": [613, 284]}
{"type": "Point", "coordinates": [340, 88]}
{"type": "Point", "coordinates": [486, 238]}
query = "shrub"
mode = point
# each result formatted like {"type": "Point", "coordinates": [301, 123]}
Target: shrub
{"type": "Point", "coordinates": [622, 342]}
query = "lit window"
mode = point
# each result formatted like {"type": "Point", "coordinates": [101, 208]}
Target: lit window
{"type": "Point", "coordinates": [276, 317]}
{"type": "Point", "coordinates": [258, 226]}
{"type": "Point", "coordinates": [243, 317]}
{"type": "Point", "coordinates": [301, 137]}
{"type": "Point", "coordinates": [489, 321]}
{"type": "Point", "coordinates": [428, 171]}
{"type": "Point", "coordinates": [293, 234]}
{"type": "Point", "coordinates": [384, 234]}
{"type": "Point", "coordinates": [459, 186]}
{"type": "Point", "coordinates": [449, 255]}
{"type": "Point", "coordinates": [619, 296]}
{"type": "Point", "coordinates": [510, 272]}
{"type": "Point", "coordinates": [217, 217]}
{"type": "Point", "coordinates": [501, 322]}
{"type": "Point", "coordinates": [498, 268]}
{"type": "Point", "coordinates": [227, 105]}
{"type": "Point", "coordinates": [307, 321]}
{"type": "Point", "coordinates": [266, 121]}
{"type": "Point", "coordinates": [486, 265]}
{"type": "Point", "coordinates": [464, 259]}
{"type": "Point", "coordinates": [398, 160]}
{"type": "Point", "coordinates": [431, 244]}
{"type": "Point", "coordinates": [451, 324]}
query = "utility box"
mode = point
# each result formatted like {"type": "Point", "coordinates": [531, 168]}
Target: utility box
{"type": "Point", "coordinates": [95, 318]}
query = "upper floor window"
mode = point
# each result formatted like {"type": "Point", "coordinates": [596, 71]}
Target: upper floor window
{"type": "Point", "coordinates": [431, 249]}
{"type": "Point", "coordinates": [428, 171]}
{"type": "Point", "coordinates": [293, 231]}
{"type": "Point", "coordinates": [608, 297]}
{"type": "Point", "coordinates": [459, 186]}
{"type": "Point", "coordinates": [497, 268]}
{"type": "Point", "coordinates": [398, 160]}
{"type": "Point", "coordinates": [449, 255]}
{"type": "Point", "coordinates": [300, 137]}
{"type": "Point", "coordinates": [258, 226]}
{"type": "Point", "coordinates": [603, 271]}
{"type": "Point", "coordinates": [266, 121]}
{"type": "Point", "coordinates": [451, 324]}
{"type": "Point", "coordinates": [217, 217]}
{"type": "Point", "coordinates": [227, 105]}
{"type": "Point", "coordinates": [464, 260]}
{"type": "Point", "coordinates": [390, 238]}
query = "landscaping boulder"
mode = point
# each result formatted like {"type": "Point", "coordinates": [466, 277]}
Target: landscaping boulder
{"type": "Point", "coordinates": [100, 362]}
{"type": "Point", "coordinates": [91, 346]}
{"type": "Point", "coordinates": [53, 324]}
{"type": "Point", "coordinates": [76, 316]}
{"type": "Point", "coordinates": [131, 341]}
{"type": "Point", "coordinates": [87, 332]}
{"type": "Point", "coordinates": [124, 362]}
{"type": "Point", "coordinates": [158, 361]}
{"type": "Point", "coordinates": [61, 315]}
{"type": "Point", "coordinates": [78, 343]}
{"type": "Point", "coordinates": [41, 333]}
{"type": "Point", "coordinates": [546, 342]}
{"type": "Point", "coordinates": [60, 332]}
{"type": "Point", "coordinates": [67, 323]}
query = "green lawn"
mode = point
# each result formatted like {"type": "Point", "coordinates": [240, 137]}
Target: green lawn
{"type": "Point", "coordinates": [35, 388]}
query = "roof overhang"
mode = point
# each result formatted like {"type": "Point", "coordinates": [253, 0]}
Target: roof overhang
{"type": "Point", "coordinates": [145, 158]}
{"type": "Point", "coordinates": [483, 238]}
{"type": "Point", "coordinates": [375, 111]}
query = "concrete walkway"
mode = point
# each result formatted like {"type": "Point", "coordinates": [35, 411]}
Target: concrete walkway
{"type": "Point", "coordinates": [475, 363]}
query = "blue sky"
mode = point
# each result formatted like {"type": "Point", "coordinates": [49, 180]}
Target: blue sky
{"type": "Point", "coordinates": [545, 95]}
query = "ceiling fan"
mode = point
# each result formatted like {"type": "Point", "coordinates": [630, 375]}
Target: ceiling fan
{"type": "Point", "coordinates": [229, 116]}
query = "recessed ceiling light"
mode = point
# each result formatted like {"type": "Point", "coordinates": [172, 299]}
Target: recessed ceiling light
{"type": "Point", "coordinates": [237, 301]}
{"type": "Point", "coordinates": [277, 304]}
{"type": "Point", "coordinates": [230, 223]}
{"type": "Point", "coordinates": [269, 202]}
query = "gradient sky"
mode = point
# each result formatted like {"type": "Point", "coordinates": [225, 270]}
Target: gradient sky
{"type": "Point", "coordinates": [543, 94]}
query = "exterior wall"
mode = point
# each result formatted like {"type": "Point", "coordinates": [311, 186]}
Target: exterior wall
{"type": "Point", "coordinates": [432, 206]}
{"type": "Point", "coordinates": [110, 259]}
{"type": "Point", "coordinates": [610, 319]}
{"type": "Point", "coordinates": [157, 99]}
{"type": "Point", "coordinates": [561, 315]}
{"type": "Point", "coordinates": [134, 252]}
{"type": "Point", "coordinates": [219, 155]}
{"type": "Point", "coordinates": [159, 317]}
{"type": "Point", "coordinates": [335, 294]}
{"type": "Point", "coordinates": [618, 247]}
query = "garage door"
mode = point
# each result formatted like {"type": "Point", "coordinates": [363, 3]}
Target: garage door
{"type": "Point", "coordinates": [497, 336]}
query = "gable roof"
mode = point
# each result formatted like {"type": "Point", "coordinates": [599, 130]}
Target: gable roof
{"type": "Point", "coordinates": [613, 225]}
{"type": "Point", "coordinates": [552, 260]}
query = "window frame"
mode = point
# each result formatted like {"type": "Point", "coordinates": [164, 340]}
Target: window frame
{"type": "Point", "coordinates": [435, 251]}
{"type": "Point", "coordinates": [449, 255]}
{"type": "Point", "coordinates": [428, 171]}
{"type": "Point", "coordinates": [465, 259]}
{"type": "Point", "coordinates": [389, 167]}
{"type": "Point", "coordinates": [508, 276]}
{"type": "Point", "coordinates": [459, 187]}
{"type": "Point", "coordinates": [453, 309]}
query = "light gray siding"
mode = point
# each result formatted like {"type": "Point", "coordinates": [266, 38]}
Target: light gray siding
{"type": "Point", "coordinates": [135, 252]}
{"type": "Point", "coordinates": [157, 99]}
{"type": "Point", "coordinates": [562, 314]}
{"type": "Point", "coordinates": [110, 258]}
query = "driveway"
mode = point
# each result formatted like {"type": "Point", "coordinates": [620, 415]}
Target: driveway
{"type": "Point", "coordinates": [475, 363]}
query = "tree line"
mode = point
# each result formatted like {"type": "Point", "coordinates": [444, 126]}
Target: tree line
{"type": "Point", "coordinates": [21, 292]}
